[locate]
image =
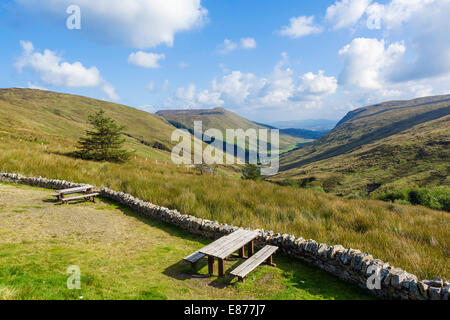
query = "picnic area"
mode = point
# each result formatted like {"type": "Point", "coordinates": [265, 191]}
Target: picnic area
{"type": "Point", "coordinates": [123, 255]}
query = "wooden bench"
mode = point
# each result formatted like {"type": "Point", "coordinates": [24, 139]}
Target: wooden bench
{"type": "Point", "coordinates": [263, 255]}
{"type": "Point", "coordinates": [61, 193]}
{"type": "Point", "coordinates": [84, 196]}
{"type": "Point", "coordinates": [194, 258]}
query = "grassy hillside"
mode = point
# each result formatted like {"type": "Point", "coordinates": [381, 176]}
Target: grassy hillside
{"type": "Point", "coordinates": [413, 238]}
{"type": "Point", "coordinates": [55, 114]}
{"type": "Point", "coordinates": [393, 144]}
{"type": "Point", "coordinates": [222, 119]}
{"type": "Point", "coordinates": [124, 256]}
{"type": "Point", "coordinates": [57, 119]}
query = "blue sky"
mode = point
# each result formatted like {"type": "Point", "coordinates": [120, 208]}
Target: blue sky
{"type": "Point", "coordinates": [266, 60]}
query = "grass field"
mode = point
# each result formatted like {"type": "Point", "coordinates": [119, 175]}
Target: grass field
{"type": "Point", "coordinates": [122, 255]}
{"type": "Point", "coordinates": [411, 237]}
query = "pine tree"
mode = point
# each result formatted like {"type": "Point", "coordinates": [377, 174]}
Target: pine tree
{"type": "Point", "coordinates": [104, 143]}
{"type": "Point", "coordinates": [251, 172]}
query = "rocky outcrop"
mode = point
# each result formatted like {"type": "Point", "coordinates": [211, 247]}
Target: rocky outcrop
{"type": "Point", "coordinates": [351, 265]}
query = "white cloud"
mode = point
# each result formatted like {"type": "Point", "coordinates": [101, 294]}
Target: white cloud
{"type": "Point", "coordinates": [227, 46]}
{"type": "Point", "coordinates": [299, 27]}
{"type": "Point", "coordinates": [367, 62]}
{"type": "Point", "coordinates": [110, 92]}
{"type": "Point", "coordinates": [248, 43]}
{"type": "Point", "coordinates": [136, 23]}
{"type": "Point", "coordinates": [152, 87]}
{"type": "Point", "coordinates": [208, 98]}
{"type": "Point", "coordinates": [280, 86]}
{"type": "Point", "coordinates": [395, 13]}
{"type": "Point", "coordinates": [317, 85]}
{"type": "Point", "coordinates": [32, 85]}
{"type": "Point", "coordinates": [53, 70]}
{"type": "Point", "coordinates": [346, 13]}
{"type": "Point", "coordinates": [238, 86]}
{"type": "Point", "coordinates": [145, 59]}
{"type": "Point", "coordinates": [248, 93]}
{"type": "Point", "coordinates": [183, 65]}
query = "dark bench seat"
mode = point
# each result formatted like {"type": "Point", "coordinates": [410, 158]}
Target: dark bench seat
{"type": "Point", "coordinates": [193, 258]}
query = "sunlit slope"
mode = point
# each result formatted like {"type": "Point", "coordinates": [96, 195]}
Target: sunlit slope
{"type": "Point", "coordinates": [58, 114]}
{"type": "Point", "coordinates": [389, 143]}
{"type": "Point", "coordinates": [221, 119]}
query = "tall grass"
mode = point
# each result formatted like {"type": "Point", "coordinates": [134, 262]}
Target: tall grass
{"type": "Point", "coordinates": [411, 237]}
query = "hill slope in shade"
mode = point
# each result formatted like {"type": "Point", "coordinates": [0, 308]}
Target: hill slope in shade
{"type": "Point", "coordinates": [389, 144]}
{"type": "Point", "coordinates": [222, 119]}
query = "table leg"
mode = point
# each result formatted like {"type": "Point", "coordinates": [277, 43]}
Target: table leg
{"type": "Point", "coordinates": [251, 249]}
{"type": "Point", "coordinates": [211, 265]}
{"type": "Point", "coordinates": [269, 261]}
{"type": "Point", "coordinates": [241, 252]}
{"type": "Point", "coordinates": [221, 268]}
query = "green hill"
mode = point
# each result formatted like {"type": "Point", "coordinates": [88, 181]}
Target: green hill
{"type": "Point", "coordinates": [46, 117]}
{"type": "Point", "coordinates": [34, 141]}
{"type": "Point", "coordinates": [388, 145]}
{"type": "Point", "coordinates": [222, 119]}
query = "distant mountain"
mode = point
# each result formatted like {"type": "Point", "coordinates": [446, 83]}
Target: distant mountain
{"type": "Point", "coordinates": [222, 119]}
{"type": "Point", "coordinates": [309, 124]}
{"type": "Point", "coordinates": [391, 144]}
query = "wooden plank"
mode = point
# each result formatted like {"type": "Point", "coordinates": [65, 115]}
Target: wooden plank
{"type": "Point", "coordinates": [235, 246]}
{"type": "Point", "coordinates": [251, 263]}
{"type": "Point", "coordinates": [232, 241]}
{"type": "Point", "coordinates": [224, 248]}
{"type": "Point", "coordinates": [193, 258]}
{"type": "Point", "coordinates": [80, 197]}
{"type": "Point", "coordinates": [84, 188]}
{"type": "Point", "coordinates": [222, 241]}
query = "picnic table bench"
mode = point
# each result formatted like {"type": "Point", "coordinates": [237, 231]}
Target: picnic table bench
{"type": "Point", "coordinates": [226, 246]}
{"type": "Point", "coordinates": [263, 255]}
{"type": "Point", "coordinates": [86, 190]}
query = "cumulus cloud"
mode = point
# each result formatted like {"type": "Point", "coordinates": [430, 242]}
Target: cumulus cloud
{"type": "Point", "coordinates": [393, 14]}
{"type": "Point", "coordinates": [346, 13]}
{"type": "Point", "coordinates": [53, 70]}
{"type": "Point", "coordinates": [145, 59]}
{"type": "Point", "coordinates": [367, 62]}
{"type": "Point", "coordinates": [317, 85]}
{"type": "Point", "coordinates": [228, 45]}
{"type": "Point", "coordinates": [136, 23]}
{"type": "Point", "coordinates": [246, 91]}
{"type": "Point", "coordinates": [248, 43]}
{"type": "Point", "coordinates": [299, 27]}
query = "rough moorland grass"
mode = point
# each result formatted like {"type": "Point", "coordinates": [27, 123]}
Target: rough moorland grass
{"type": "Point", "coordinates": [411, 237]}
{"type": "Point", "coordinates": [125, 256]}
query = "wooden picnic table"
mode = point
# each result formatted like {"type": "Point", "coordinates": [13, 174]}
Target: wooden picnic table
{"type": "Point", "coordinates": [227, 245]}
{"type": "Point", "coordinates": [86, 190]}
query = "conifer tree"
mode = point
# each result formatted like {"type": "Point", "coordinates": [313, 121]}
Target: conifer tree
{"type": "Point", "coordinates": [104, 143]}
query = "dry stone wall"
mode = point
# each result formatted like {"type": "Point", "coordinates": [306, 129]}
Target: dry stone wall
{"type": "Point", "coordinates": [351, 265]}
